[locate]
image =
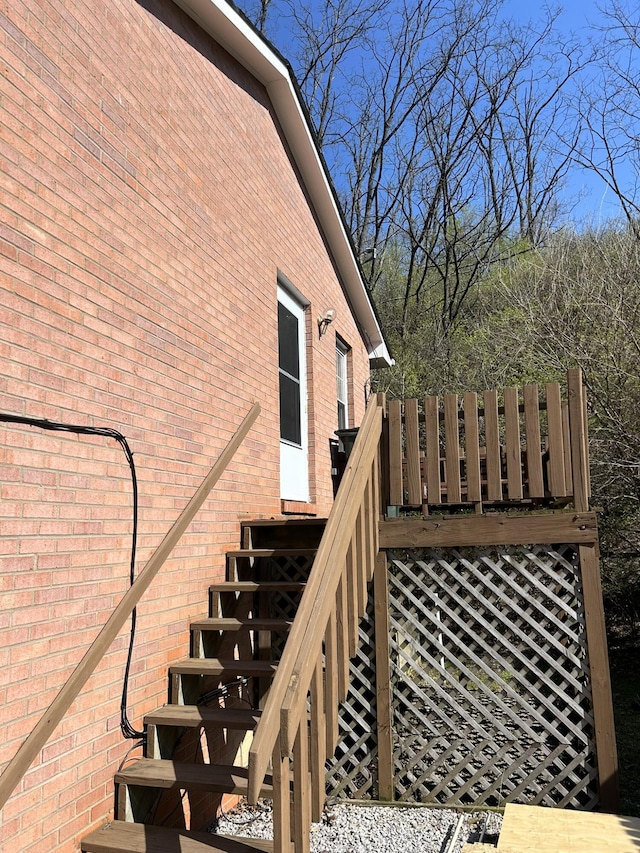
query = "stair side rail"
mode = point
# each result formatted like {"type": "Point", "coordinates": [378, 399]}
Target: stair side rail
{"type": "Point", "coordinates": [321, 641]}
{"type": "Point", "coordinates": [44, 728]}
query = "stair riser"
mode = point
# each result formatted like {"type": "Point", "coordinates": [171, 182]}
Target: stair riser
{"type": "Point", "coordinates": [286, 565]}
{"type": "Point", "coordinates": [233, 602]}
{"type": "Point", "coordinates": [188, 689]}
{"type": "Point", "coordinates": [292, 533]}
{"type": "Point", "coordinates": [246, 643]}
{"type": "Point", "coordinates": [224, 746]}
{"type": "Point", "coordinates": [136, 803]}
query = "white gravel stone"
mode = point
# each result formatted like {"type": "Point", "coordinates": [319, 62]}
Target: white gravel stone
{"type": "Point", "coordinates": [363, 829]}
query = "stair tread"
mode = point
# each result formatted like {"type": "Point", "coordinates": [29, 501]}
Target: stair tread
{"type": "Point", "coordinates": [227, 668]}
{"type": "Point", "coordinates": [124, 837]}
{"type": "Point", "coordinates": [166, 774]}
{"type": "Point", "coordinates": [225, 623]}
{"type": "Point", "coordinates": [256, 586]}
{"type": "Point", "coordinates": [272, 552]}
{"type": "Point", "coordinates": [191, 716]}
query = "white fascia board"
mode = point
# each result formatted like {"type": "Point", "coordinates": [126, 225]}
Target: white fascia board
{"type": "Point", "coordinates": [237, 37]}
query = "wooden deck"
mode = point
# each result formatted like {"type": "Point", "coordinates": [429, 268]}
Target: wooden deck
{"type": "Point", "coordinates": [530, 829]}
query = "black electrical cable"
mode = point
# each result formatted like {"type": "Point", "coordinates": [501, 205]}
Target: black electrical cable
{"type": "Point", "coordinates": [127, 729]}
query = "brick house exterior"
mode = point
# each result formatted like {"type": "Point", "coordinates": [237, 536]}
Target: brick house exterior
{"type": "Point", "coordinates": [159, 182]}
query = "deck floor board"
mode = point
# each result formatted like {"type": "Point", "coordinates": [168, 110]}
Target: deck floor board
{"type": "Point", "coordinates": [531, 829]}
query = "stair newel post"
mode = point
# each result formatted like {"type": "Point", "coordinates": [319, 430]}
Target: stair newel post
{"type": "Point", "coordinates": [281, 802]}
{"type": "Point", "coordinates": [301, 789]}
{"type": "Point", "coordinates": [318, 742]}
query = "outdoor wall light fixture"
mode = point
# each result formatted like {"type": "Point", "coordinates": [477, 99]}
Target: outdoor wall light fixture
{"type": "Point", "coordinates": [325, 321]}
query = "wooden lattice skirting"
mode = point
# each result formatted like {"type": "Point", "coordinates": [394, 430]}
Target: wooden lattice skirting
{"type": "Point", "coordinates": [490, 686]}
{"type": "Point", "coordinates": [352, 772]}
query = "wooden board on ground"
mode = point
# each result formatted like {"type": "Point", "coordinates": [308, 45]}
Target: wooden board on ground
{"type": "Point", "coordinates": [532, 829]}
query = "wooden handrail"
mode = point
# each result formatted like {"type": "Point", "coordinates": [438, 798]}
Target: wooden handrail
{"type": "Point", "coordinates": [43, 730]}
{"type": "Point", "coordinates": [330, 563]}
{"type": "Point", "coordinates": [296, 667]}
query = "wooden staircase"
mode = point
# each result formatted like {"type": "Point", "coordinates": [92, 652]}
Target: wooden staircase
{"type": "Point", "coordinates": [195, 747]}
{"type": "Point", "coordinates": [251, 712]}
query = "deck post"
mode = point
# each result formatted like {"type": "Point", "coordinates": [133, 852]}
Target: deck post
{"type": "Point", "coordinates": [594, 612]}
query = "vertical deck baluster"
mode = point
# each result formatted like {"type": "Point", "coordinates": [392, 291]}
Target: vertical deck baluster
{"type": "Point", "coordinates": [472, 448]}
{"type": "Point", "coordinates": [396, 496]}
{"type": "Point", "coordinates": [370, 522]}
{"type": "Point", "coordinates": [512, 442]}
{"type": "Point", "coordinates": [414, 484]}
{"type": "Point", "coordinates": [352, 595]}
{"type": "Point", "coordinates": [566, 444]}
{"type": "Point", "coordinates": [318, 743]}
{"type": "Point", "coordinates": [557, 482]}
{"type": "Point", "coordinates": [432, 450]}
{"type": "Point", "coordinates": [492, 437]}
{"type": "Point", "coordinates": [586, 437]}
{"type": "Point", "coordinates": [331, 682]}
{"type": "Point", "coordinates": [452, 448]}
{"type": "Point", "coordinates": [343, 638]}
{"type": "Point", "coordinates": [534, 444]}
{"type": "Point", "coordinates": [281, 802]}
{"type": "Point", "coordinates": [301, 790]}
{"type": "Point", "coordinates": [383, 452]}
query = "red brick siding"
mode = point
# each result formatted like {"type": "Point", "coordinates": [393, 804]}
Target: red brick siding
{"type": "Point", "coordinates": [148, 204]}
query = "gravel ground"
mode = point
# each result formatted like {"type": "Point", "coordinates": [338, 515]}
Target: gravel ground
{"type": "Point", "coordinates": [380, 829]}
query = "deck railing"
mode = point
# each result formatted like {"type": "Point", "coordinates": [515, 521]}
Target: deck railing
{"type": "Point", "coordinates": [300, 718]}
{"type": "Point", "coordinates": [43, 730]}
{"type": "Point", "coordinates": [508, 446]}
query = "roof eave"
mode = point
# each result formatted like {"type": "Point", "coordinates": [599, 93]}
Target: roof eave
{"type": "Point", "coordinates": [238, 37]}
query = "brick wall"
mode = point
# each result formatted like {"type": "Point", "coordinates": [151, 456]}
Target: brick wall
{"type": "Point", "coordinates": [148, 204]}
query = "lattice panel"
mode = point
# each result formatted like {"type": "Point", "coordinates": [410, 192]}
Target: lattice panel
{"type": "Point", "coordinates": [284, 604]}
{"type": "Point", "coordinates": [352, 772]}
{"type": "Point", "coordinates": [491, 688]}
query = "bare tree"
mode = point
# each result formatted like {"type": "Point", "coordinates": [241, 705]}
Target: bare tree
{"type": "Point", "coordinates": [444, 127]}
{"type": "Point", "coordinates": [327, 40]}
{"type": "Point", "coordinates": [258, 12]}
{"type": "Point", "coordinates": [609, 108]}
{"type": "Point", "coordinates": [477, 165]}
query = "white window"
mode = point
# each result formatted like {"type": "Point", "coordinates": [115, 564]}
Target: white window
{"type": "Point", "coordinates": [341, 385]}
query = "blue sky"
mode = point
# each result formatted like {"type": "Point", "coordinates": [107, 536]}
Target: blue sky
{"type": "Point", "coordinates": [586, 195]}
{"type": "Point", "coordinates": [598, 204]}
{"type": "Point", "coordinates": [578, 18]}
{"type": "Point", "coordinates": [574, 15]}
